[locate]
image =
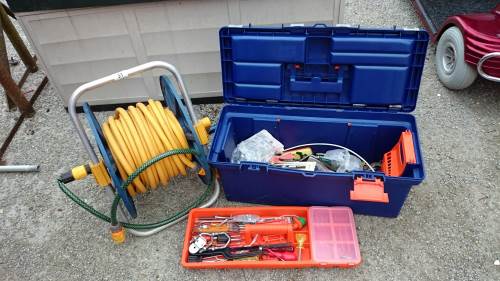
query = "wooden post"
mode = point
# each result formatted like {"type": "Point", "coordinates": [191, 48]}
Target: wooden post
{"type": "Point", "coordinates": [4, 59]}
{"type": "Point", "coordinates": [13, 91]}
{"type": "Point", "coordinates": [16, 41]}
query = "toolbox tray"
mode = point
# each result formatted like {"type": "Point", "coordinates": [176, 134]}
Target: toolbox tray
{"type": "Point", "coordinates": [331, 237]}
{"type": "Point", "coordinates": [344, 85]}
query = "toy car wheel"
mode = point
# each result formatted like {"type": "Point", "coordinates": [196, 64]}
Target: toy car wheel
{"type": "Point", "coordinates": [451, 67]}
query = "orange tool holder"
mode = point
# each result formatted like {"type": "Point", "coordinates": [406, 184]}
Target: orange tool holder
{"type": "Point", "coordinates": [394, 164]}
{"type": "Point", "coordinates": [403, 153]}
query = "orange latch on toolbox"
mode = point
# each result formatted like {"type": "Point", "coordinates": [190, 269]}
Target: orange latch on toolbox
{"type": "Point", "coordinates": [403, 153]}
{"type": "Point", "coordinates": [369, 190]}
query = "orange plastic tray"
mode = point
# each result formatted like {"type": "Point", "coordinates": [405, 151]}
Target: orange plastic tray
{"type": "Point", "coordinates": [328, 227]}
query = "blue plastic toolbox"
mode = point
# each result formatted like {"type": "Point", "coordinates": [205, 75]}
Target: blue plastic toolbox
{"type": "Point", "coordinates": [344, 85]}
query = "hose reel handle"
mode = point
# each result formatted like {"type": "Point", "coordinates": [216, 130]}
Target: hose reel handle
{"type": "Point", "coordinates": [124, 74]}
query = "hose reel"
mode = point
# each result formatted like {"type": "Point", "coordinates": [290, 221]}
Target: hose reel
{"type": "Point", "coordinates": [142, 147]}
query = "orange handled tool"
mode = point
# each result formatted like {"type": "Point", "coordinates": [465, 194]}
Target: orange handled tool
{"type": "Point", "coordinates": [268, 229]}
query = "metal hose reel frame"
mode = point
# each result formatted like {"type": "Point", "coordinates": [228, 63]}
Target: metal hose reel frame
{"type": "Point", "coordinates": [190, 113]}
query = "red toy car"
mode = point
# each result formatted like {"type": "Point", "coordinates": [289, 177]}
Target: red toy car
{"type": "Point", "coordinates": [465, 42]}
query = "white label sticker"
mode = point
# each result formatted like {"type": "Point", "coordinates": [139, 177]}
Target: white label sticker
{"type": "Point", "coordinates": [120, 76]}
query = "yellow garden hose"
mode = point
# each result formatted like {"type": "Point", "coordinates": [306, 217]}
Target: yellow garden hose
{"type": "Point", "coordinates": [140, 133]}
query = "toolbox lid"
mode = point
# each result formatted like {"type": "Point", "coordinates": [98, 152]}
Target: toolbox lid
{"type": "Point", "coordinates": [338, 67]}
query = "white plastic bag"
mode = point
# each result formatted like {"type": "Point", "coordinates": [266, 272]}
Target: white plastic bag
{"type": "Point", "coordinates": [344, 161]}
{"type": "Point", "coordinates": [257, 148]}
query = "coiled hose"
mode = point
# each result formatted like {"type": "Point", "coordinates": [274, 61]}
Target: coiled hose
{"type": "Point", "coordinates": [141, 133]}
{"type": "Point", "coordinates": [149, 147]}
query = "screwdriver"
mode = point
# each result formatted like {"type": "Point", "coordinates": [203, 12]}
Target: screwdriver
{"type": "Point", "coordinates": [301, 239]}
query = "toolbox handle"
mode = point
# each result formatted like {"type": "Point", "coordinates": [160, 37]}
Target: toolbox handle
{"type": "Point", "coordinates": [320, 25]}
{"type": "Point", "coordinates": [124, 74]}
{"type": "Point", "coordinates": [315, 85]}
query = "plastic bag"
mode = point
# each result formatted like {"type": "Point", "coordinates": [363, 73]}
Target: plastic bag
{"type": "Point", "coordinates": [343, 161]}
{"type": "Point", "coordinates": [258, 148]}
{"type": "Point", "coordinates": [320, 166]}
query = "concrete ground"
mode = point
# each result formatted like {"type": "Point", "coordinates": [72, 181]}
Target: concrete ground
{"type": "Point", "coordinates": [448, 229]}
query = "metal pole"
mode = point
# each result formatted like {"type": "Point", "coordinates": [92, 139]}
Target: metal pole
{"type": "Point", "coordinates": [16, 41]}
{"type": "Point", "coordinates": [19, 168]}
{"type": "Point", "coordinates": [19, 122]}
{"type": "Point", "coordinates": [4, 59]}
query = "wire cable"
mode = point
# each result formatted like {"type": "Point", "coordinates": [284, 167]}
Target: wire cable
{"type": "Point", "coordinates": [333, 145]}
